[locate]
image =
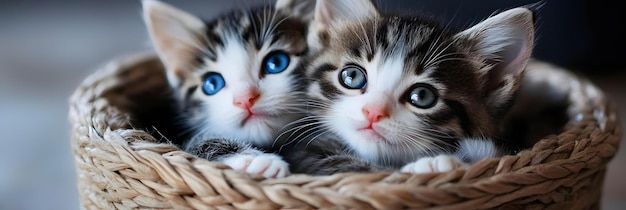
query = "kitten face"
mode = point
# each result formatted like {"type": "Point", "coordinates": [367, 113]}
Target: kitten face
{"type": "Point", "coordinates": [400, 109]}
{"type": "Point", "coordinates": [237, 76]}
{"type": "Point", "coordinates": [260, 91]}
{"type": "Point", "coordinates": [399, 88]}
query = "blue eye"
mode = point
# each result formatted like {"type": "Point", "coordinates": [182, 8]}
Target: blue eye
{"type": "Point", "coordinates": [422, 97]}
{"type": "Point", "coordinates": [276, 63]}
{"type": "Point", "coordinates": [353, 77]}
{"type": "Point", "coordinates": [213, 83]}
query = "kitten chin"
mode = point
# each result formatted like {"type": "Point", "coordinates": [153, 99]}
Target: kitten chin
{"type": "Point", "coordinates": [259, 130]}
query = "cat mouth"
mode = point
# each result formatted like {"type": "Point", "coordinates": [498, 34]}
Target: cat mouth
{"type": "Point", "coordinates": [372, 134]}
{"type": "Point", "coordinates": [252, 117]}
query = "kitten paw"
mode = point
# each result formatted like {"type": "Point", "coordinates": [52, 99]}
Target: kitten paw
{"type": "Point", "coordinates": [441, 163]}
{"type": "Point", "coordinates": [267, 165]}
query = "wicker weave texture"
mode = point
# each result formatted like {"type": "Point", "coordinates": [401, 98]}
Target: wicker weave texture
{"type": "Point", "coordinates": [120, 167]}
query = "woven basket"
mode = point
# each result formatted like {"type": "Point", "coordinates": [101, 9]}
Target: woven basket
{"type": "Point", "coordinates": [122, 166]}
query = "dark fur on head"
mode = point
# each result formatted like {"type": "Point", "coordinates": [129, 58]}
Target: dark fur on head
{"type": "Point", "coordinates": [474, 74]}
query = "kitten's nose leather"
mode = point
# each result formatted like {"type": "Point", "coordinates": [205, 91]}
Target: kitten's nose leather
{"type": "Point", "coordinates": [246, 100]}
{"type": "Point", "coordinates": [375, 113]}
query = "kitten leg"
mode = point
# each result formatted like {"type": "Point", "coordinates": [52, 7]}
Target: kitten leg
{"type": "Point", "coordinates": [440, 163]}
{"type": "Point", "coordinates": [472, 150]}
{"type": "Point", "coordinates": [331, 164]}
{"type": "Point", "coordinates": [240, 156]}
{"type": "Point", "coordinates": [326, 155]}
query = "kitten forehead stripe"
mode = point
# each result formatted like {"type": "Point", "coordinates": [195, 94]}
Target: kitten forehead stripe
{"type": "Point", "coordinates": [322, 69]}
{"type": "Point", "coordinates": [329, 90]}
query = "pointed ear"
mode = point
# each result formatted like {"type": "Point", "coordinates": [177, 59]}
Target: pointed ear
{"type": "Point", "coordinates": [175, 35]}
{"type": "Point", "coordinates": [303, 9]}
{"type": "Point", "coordinates": [504, 43]}
{"type": "Point", "coordinates": [330, 12]}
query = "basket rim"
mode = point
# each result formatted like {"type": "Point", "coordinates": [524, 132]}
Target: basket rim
{"type": "Point", "coordinates": [164, 171]}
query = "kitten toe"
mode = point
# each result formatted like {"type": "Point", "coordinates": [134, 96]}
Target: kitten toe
{"type": "Point", "coordinates": [441, 163]}
{"type": "Point", "coordinates": [417, 167]}
{"type": "Point", "coordinates": [277, 169]}
{"type": "Point", "coordinates": [269, 165]}
{"type": "Point", "coordinates": [238, 162]}
{"type": "Point", "coordinates": [283, 172]}
{"type": "Point", "coordinates": [259, 164]}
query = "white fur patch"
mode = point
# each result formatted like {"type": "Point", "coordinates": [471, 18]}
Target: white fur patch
{"type": "Point", "coordinates": [474, 150]}
{"type": "Point", "coordinates": [347, 112]}
{"type": "Point", "coordinates": [386, 84]}
{"type": "Point", "coordinates": [437, 164]}
{"type": "Point", "coordinates": [265, 164]}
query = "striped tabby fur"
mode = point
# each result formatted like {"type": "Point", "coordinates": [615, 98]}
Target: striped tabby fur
{"type": "Point", "coordinates": [473, 74]}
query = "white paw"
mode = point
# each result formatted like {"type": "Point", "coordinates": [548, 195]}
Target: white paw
{"type": "Point", "coordinates": [265, 164]}
{"type": "Point", "coordinates": [441, 163]}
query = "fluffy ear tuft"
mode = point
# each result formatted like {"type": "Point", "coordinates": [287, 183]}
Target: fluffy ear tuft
{"type": "Point", "coordinates": [504, 43]}
{"type": "Point", "coordinates": [175, 35]}
{"type": "Point", "coordinates": [302, 9]}
{"type": "Point", "coordinates": [330, 12]}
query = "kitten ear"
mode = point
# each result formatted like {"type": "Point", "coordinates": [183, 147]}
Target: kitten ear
{"type": "Point", "coordinates": [302, 9]}
{"type": "Point", "coordinates": [330, 12]}
{"type": "Point", "coordinates": [503, 43]}
{"type": "Point", "coordinates": [175, 35]}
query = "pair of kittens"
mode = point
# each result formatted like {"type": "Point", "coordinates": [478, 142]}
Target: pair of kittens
{"type": "Point", "coordinates": [325, 86]}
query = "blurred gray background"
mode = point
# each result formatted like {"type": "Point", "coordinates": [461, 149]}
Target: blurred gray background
{"type": "Point", "coordinates": [48, 47]}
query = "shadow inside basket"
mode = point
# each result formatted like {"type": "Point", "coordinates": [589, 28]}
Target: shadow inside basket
{"type": "Point", "coordinates": [563, 127]}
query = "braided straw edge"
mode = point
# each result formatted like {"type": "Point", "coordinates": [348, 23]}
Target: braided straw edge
{"type": "Point", "coordinates": [119, 167]}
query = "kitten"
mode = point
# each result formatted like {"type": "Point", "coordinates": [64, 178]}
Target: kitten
{"type": "Point", "coordinates": [236, 78]}
{"type": "Point", "coordinates": [389, 92]}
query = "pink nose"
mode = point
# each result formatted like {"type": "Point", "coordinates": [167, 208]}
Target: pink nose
{"type": "Point", "coordinates": [375, 113]}
{"type": "Point", "coordinates": [247, 99]}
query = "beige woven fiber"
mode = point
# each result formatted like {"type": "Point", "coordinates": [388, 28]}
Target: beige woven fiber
{"type": "Point", "coordinates": [122, 167]}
